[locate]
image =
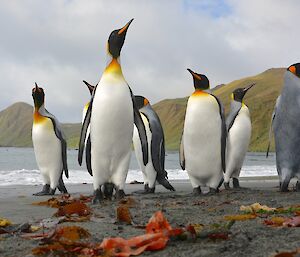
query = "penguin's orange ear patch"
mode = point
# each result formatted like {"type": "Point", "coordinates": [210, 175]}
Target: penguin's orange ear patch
{"type": "Point", "coordinates": [146, 101]}
{"type": "Point", "coordinates": [292, 69]}
{"type": "Point", "coordinates": [196, 76]}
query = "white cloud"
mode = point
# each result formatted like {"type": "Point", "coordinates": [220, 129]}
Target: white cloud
{"type": "Point", "coordinates": [59, 43]}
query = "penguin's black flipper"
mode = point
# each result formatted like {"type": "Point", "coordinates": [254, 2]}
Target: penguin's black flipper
{"type": "Point", "coordinates": [161, 179]}
{"type": "Point", "coordinates": [84, 128]}
{"type": "Point", "coordinates": [157, 146]}
{"type": "Point", "coordinates": [90, 87]}
{"type": "Point", "coordinates": [181, 154]}
{"type": "Point", "coordinates": [224, 133]}
{"type": "Point", "coordinates": [61, 186]}
{"type": "Point", "coordinates": [88, 156]}
{"type": "Point", "coordinates": [271, 126]}
{"type": "Point", "coordinates": [158, 139]}
{"type": "Point", "coordinates": [235, 107]}
{"type": "Point", "coordinates": [60, 135]}
{"type": "Point", "coordinates": [141, 129]}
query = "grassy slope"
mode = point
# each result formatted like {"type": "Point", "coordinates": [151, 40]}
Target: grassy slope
{"type": "Point", "coordinates": [260, 100]}
{"type": "Point", "coordinates": [16, 124]}
{"type": "Point", "coordinates": [16, 120]}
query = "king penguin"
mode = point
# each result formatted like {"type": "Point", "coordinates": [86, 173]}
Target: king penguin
{"type": "Point", "coordinates": [107, 188]}
{"type": "Point", "coordinates": [49, 145]}
{"type": "Point", "coordinates": [286, 127]}
{"type": "Point", "coordinates": [111, 116]}
{"type": "Point", "coordinates": [203, 143]}
{"type": "Point", "coordinates": [238, 124]}
{"type": "Point", "coordinates": [155, 169]}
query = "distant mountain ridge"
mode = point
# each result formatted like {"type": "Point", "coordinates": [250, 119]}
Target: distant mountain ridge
{"type": "Point", "coordinates": [16, 124]}
{"type": "Point", "coordinates": [16, 120]}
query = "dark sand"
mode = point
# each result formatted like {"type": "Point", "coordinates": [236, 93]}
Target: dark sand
{"type": "Point", "coordinates": [248, 238]}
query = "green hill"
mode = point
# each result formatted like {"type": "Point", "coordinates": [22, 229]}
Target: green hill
{"type": "Point", "coordinates": [260, 100]}
{"type": "Point", "coordinates": [16, 124]}
{"type": "Point", "coordinates": [16, 120]}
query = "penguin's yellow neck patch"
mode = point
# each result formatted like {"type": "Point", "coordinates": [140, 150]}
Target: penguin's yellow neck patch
{"type": "Point", "coordinates": [198, 93]}
{"type": "Point", "coordinates": [86, 106]}
{"type": "Point", "coordinates": [38, 118]}
{"type": "Point", "coordinates": [114, 67]}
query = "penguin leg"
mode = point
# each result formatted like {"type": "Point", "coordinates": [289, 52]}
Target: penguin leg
{"type": "Point", "coordinates": [226, 185]}
{"type": "Point", "coordinates": [298, 186]}
{"type": "Point", "coordinates": [61, 186]}
{"type": "Point", "coordinates": [120, 174]}
{"type": "Point", "coordinates": [212, 191]}
{"type": "Point", "coordinates": [196, 185]}
{"type": "Point", "coordinates": [236, 183]}
{"type": "Point", "coordinates": [214, 182]}
{"type": "Point", "coordinates": [196, 191]}
{"type": "Point", "coordinates": [285, 180]}
{"type": "Point", "coordinates": [45, 190]}
{"type": "Point", "coordinates": [227, 178]}
{"type": "Point", "coordinates": [98, 196]}
{"type": "Point", "coordinates": [55, 177]}
{"type": "Point", "coordinates": [151, 178]}
{"type": "Point", "coordinates": [52, 191]}
{"type": "Point", "coordinates": [108, 189]}
{"type": "Point", "coordinates": [120, 194]}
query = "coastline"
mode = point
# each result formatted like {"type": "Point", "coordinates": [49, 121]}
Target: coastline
{"type": "Point", "coordinates": [247, 238]}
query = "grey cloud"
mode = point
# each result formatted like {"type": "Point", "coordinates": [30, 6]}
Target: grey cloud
{"type": "Point", "coordinates": [59, 43]}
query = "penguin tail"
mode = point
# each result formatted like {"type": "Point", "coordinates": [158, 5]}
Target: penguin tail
{"type": "Point", "coordinates": [164, 182]}
{"type": "Point", "coordinates": [61, 186]}
{"type": "Point", "coordinates": [268, 149]}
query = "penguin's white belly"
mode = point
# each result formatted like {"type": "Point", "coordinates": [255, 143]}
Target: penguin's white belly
{"type": "Point", "coordinates": [149, 172]}
{"type": "Point", "coordinates": [238, 141]}
{"type": "Point", "coordinates": [202, 138]}
{"type": "Point", "coordinates": [111, 128]}
{"type": "Point", "coordinates": [47, 147]}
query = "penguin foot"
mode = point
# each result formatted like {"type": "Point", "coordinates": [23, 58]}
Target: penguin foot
{"type": "Point", "coordinates": [196, 191]}
{"type": "Point", "coordinates": [226, 185]}
{"type": "Point", "coordinates": [45, 191]}
{"type": "Point", "coordinates": [212, 191]}
{"type": "Point", "coordinates": [108, 189]}
{"type": "Point", "coordinates": [98, 196]}
{"type": "Point", "coordinates": [52, 191]}
{"type": "Point", "coordinates": [120, 194]}
{"type": "Point", "coordinates": [147, 190]}
{"type": "Point", "coordinates": [61, 186]}
{"type": "Point", "coordinates": [236, 183]}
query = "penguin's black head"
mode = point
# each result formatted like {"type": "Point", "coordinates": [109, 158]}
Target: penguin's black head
{"type": "Point", "coordinates": [239, 93]}
{"type": "Point", "coordinates": [295, 68]}
{"type": "Point", "coordinates": [38, 96]}
{"type": "Point", "coordinates": [140, 101]}
{"type": "Point", "coordinates": [116, 40]}
{"type": "Point", "coordinates": [89, 86]}
{"type": "Point", "coordinates": [200, 81]}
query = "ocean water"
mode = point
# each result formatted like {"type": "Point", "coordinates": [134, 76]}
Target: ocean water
{"type": "Point", "coordinates": [18, 167]}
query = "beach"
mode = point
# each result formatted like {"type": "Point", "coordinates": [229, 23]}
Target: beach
{"type": "Point", "coordinates": [246, 238]}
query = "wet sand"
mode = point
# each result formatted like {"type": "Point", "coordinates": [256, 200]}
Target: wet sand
{"type": "Point", "coordinates": [247, 238]}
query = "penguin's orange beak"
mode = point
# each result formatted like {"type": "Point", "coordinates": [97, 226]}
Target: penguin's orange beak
{"type": "Point", "coordinates": [36, 88]}
{"type": "Point", "coordinates": [248, 87]}
{"type": "Point", "coordinates": [195, 75]}
{"type": "Point", "coordinates": [124, 29]}
{"type": "Point", "coordinates": [292, 69]}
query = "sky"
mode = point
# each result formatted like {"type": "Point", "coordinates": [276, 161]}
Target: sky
{"type": "Point", "coordinates": [58, 43]}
